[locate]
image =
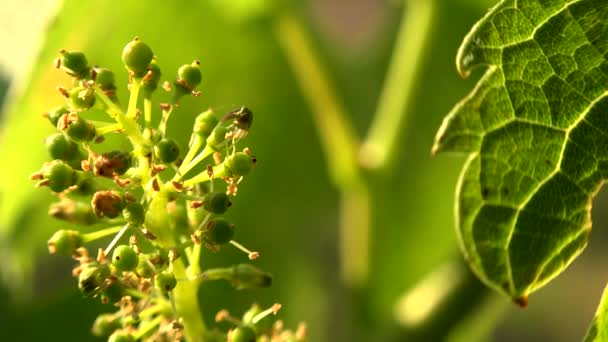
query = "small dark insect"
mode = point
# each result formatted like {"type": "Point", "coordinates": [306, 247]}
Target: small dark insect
{"type": "Point", "coordinates": [243, 117]}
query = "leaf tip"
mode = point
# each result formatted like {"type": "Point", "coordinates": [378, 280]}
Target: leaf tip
{"type": "Point", "coordinates": [522, 301]}
{"type": "Point", "coordinates": [464, 60]}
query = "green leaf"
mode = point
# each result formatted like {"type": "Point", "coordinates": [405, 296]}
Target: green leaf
{"type": "Point", "coordinates": [536, 135]}
{"type": "Point", "coordinates": [597, 330]}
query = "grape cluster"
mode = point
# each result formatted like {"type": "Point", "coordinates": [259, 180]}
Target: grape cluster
{"type": "Point", "coordinates": [158, 207]}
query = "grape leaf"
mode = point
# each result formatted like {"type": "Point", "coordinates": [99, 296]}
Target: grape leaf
{"type": "Point", "coordinates": [535, 130]}
{"type": "Point", "coordinates": [597, 331]}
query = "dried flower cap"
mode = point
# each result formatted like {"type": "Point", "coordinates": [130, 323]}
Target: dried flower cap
{"type": "Point", "coordinates": [108, 203]}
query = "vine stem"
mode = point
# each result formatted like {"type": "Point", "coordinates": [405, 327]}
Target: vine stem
{"type": "Point", "coordinates": [440, 302]}
{"type": "Point", "coordinates": [129, 126]}
{"type": "Point", "coordinates": [339, 142]}
{"type": "Point", "coordinates": [391, 114]}
{"type": "Point", "coordinates": [186, 292]}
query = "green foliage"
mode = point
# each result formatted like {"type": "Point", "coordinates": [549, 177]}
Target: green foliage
{"type": "Point", "coordinates": [534, 129]}
{"type": "Point", "coordinates": [598, 331]}
{"type": "Point", "coordinates": [232, 79]}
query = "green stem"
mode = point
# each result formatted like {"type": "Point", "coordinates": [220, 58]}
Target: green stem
{"type": "Point", "coordinates": [195, 268]}
{"type": "Point", "coordinates": [148, 327]}
{"type": "Point", "coordinates": [164, 119]}
{"type": "Point", "coordinates": [148, 112]}
{"type": "Point", "coordinates": [439, 303]}
{"type": "Point", "coordinates": [129, 126]}
{"type": "Point", "coordinates": [206, 152]}
{"type": "Point", "coordinates": [197, 143]}
{"type": "Point", "coordinates": [108, 129]}
{"type": "Point", "coordinates": [218, 172]}
{"type": "Point", "coordinates": [132, 108]}
{"type": "Point", "coordinates": [339, 142]}
{"type": "Point", "coordinates": [100, 233]}
{"type": "Point", "coordinates": [337, 135]}
{"type": "Point", "coordinates": [186, 292]}
{"type": "Point", "coordinates": [393, 107]}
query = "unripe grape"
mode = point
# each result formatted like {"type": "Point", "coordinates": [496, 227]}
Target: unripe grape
{"type": "Point", "coordinates": [167, 150]}
{"type": "Point", "coordinates": [65, 242]}
{"type": "Point", "coordinates": [105, 324]}
{"type": "Point", "coordinates": [54, 114]}
{"type": "Point", "coordinates": [82, 97]}
{"type": "Point", "coordinates": [92, 277]}
{"type": "Point", "coordinates": [134, 213]}
{"type": "Point", "coordinates": [144, 268]}
{"type": "Point", "coordinates": [218, 231]}
{"type": "Point", "coordinates": [242, 333]}
{"type": "Point", "coordinates": [74, 63]}
{"type": "Point", "coordinates": [105, 78]}
{"type": "Point", "coordinates": [77, 128]}
{"type": "Point", "coordinates": [59, 176]}
{"type": "Point", "coordinates": [216, 202]}
{"type": "Point", "coordinates": [205, 123]}
{"type": "Point", "coordinates": [189, 75]}
{"type": "Point", "coordinates": [113, 291]}
{"type": "Point", "coordinates": [61, 147]}
{"type": "Point", "coordinates": [246, 276]}
{"type": "Point", "coordinates": [217, 137]}
{"type": "Point", "coordinates": [124, 258]}
{"type": "Point", "coordinates": [137, 57]}
{"type": "Point", "coordinates": [165, 281]}
{"type": "Point", "coordinates": [238, 164]}
{"type": "Point", "coordinates": [151, 79]}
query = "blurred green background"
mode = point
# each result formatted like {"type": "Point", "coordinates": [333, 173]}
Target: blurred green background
{"type": "Point", "coordinates": [288, 209]}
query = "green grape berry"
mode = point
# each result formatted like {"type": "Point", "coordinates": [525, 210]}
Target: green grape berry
{"type": "Point", "coordinates": [242, 333]}
{"type": "Point", "coordinates": [218, 231]}
{"type": "Point", "coordinates": [165, 281]}
{"type": "Point", "coordinates": [74, 63]}
{"type": "Point", "coordinates": [150, 81]}
{"type": "Point", "coordinates": [144, 269]}
{"type": "Point", "coordinates": [121, 336]}
{"type": "Point", "coordinates": [124, 258]}
{"type": "Point", "coordinates": [217, 137]}
{"type": "Point", "coordinates": [137, 57]}
{"type": "Point", "coordinates": [189, 76]}
{"type": "Point", "coordinates": [81, 97]}
{"type": "Point", "coordinates": [238, 164]}
{"type": "Point", "coordinates": [134, 213]}
{"type": "Point", "coordinates": [245, 276]}
{"type": "Point", "coordinates": [92, 278]}
{"type": "Point", "coordinates": [111, 163]}
{"type": "Point", "coordinates": [216, 202]}
{"type": "Point", "coordinates": [59, 176]}
{"type": "Point", "coordinates": [105, 325]}
{"type": "Point", "coordinates": [54, 114]}
{"type": "Point", "coordinates": [105, 78]}
{"type": "Point", "coordinates": [73, 211]}
{"type": "Point", "coordinates": [65, 242]}
{"type": "Point", "coordinates": [61, 147]}
{"type": "Point", "coordinates": [167, 150]}
{"type": "Point", "coordinates": [205, 123]}
{"type": "Point", "coordinates": [77, 128]}
{"type": "Point", "coordinates": [112, 291]}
